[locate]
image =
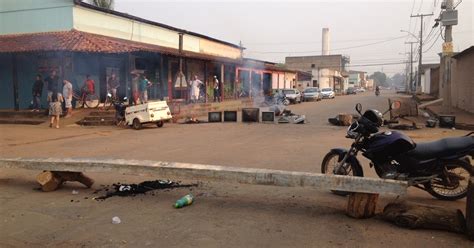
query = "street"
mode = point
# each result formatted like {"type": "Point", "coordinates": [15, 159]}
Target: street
{"type": "Point", "coordinates": [223, 214]}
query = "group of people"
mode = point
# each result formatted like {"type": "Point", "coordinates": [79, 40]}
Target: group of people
{"type": "Point", "coordinates": [56, 98]}
{"type": "Point", "coordinates": [197, 89]}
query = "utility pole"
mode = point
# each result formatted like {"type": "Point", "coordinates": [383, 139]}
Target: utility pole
{"type": "Point", "coordinates": [448, 19]}
{"type": "Point", "coordinates": [412, 87]}
{"type": "Point", "coordinates": [421, 49]}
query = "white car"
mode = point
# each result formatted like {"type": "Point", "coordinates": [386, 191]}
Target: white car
{"type": "Point", "coordinates": [361, 89]}
{"type": "Point", "coordinates": [327, 93]}
{"type": "Point", "coordinates": [293, 95]}
{"type": "Point", "coordinates": [152, 112]}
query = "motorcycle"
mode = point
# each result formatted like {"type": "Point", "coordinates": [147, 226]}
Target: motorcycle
{"type": "Point", "coordinates": [442, 168]}
{"type": "Point", "coordinates": [377, 92]}
{"type": "Point", "coordinates": [120, 107]}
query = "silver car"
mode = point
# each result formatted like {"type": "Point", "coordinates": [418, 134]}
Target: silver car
{"type": "Point", "coordinates": [327, 93]}
{"type": "Point", "coordinates": [293, 95]}
{"type": "Point", "coordinates": [311, 94]}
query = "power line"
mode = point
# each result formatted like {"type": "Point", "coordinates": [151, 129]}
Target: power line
{"type": "Point", "coordinates": [314, 42]}
{"type": "Point", "coordinates": [337, 49]}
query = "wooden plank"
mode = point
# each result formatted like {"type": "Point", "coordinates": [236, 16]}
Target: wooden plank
{"type": "Point", "coordinates": [213, 172]}
{"type": "Point", "coordinates": [361, 205]}
{"type": "Point", "coordinates": [470, 209]}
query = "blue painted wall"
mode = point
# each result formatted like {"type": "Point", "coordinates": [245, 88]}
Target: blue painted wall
{"type": "Point", "coordinates": [30, 16]}
{"type": "Point", "coordinates": [6, 85]}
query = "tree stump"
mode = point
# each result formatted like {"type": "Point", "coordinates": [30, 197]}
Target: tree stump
{"type": "Point", "coordinates": [470, 209]}
{"type": "Point", "coordinates": [361, 205]}
{"type": "Point", "coordinates": [52, 180]}
{"type": "Point", "coordinates": [344, 119]}
{"type": "Point", "coordinates": [410, 215]}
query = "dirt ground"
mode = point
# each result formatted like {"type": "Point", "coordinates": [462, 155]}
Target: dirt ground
{"type": "Point", "coordinates": [223, 214]}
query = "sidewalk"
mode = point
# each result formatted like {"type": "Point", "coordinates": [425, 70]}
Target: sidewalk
{"type": "Point", "coordinates": [464, 119]}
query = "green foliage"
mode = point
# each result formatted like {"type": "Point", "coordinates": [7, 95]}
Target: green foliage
{"type": "Point", "coordinates": [105, 4]}
{"type": "Point", "coordinates": [379, 78]}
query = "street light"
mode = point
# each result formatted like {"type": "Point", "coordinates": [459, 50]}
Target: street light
{"type": "Point", "coordinates": [410, 33]}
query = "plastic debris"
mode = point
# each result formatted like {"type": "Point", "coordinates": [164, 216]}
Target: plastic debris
{"type": "Point", "coordinates": [116, 220]}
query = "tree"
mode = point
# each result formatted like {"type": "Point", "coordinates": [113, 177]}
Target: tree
{"type": "Point", "coordinates": [105, 4]}
{"type": "Point", "coordinates": [379, 78]}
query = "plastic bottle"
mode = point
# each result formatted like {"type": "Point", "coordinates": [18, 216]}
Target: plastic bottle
{"type": "Point", "coordinates": [184, 201]}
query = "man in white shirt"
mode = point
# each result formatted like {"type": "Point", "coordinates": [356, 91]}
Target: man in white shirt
{"type": "Point", "coordinates": [67, 94]}
{"type": "Point", "coordinates": [195, 84]}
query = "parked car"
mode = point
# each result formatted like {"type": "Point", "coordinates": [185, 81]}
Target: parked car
{"type": "Point", "coordinates": [293, 95]}
{"type": "Point", "coordinates": [351, 91]}
{"type": "Point", "coordinates": [311, 94]}
{"type": "Point", "coordinates": [327, 93]}
{"type": "Point", "coordinates": [360, 90]}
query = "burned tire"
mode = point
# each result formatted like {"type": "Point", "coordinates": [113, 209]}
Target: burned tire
{"type": "Point", "coordinates": [137, 125]}
{"type": "Point", "coordinates": [460, 172]}
{"type": "Point", "coordinates": [328, 166]}
{"type": "Point", "coordinates": [160, 124]}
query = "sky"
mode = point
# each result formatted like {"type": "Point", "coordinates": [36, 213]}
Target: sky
{"type": "Point", "coordinates": [366, 31]}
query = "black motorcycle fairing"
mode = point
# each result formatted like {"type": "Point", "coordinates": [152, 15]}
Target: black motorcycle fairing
{"type": "Point", "coordinates": [351, 159]}
{"type": "Point", "coordinates": [382, 147]}
{"type": "Point", "coordinates": [448, 148]}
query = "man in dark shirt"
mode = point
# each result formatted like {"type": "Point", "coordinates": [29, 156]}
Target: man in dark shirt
{"type": "Point", "coordinates": [52, 84]}
{"type": "Point", "coordinates": [36, 91]}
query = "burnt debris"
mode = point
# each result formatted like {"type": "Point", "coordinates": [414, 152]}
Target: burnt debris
{"type": "Point", "coordinates": [141, 188]}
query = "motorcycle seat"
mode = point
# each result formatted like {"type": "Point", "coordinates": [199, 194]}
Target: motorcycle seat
{"type": "Point", "coordinates": [442, 148]}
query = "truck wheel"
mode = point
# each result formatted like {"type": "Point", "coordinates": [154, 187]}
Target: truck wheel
{"type": "Point", "coordinates": [160, 124]}
{"type": "Point", "coordinates": [136, 124]}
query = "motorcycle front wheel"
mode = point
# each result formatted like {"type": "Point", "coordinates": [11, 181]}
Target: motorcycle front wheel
{"type": "Point", "coordinates": [452, 186]}
{"type": "Point", "coordinates": [350, 169]}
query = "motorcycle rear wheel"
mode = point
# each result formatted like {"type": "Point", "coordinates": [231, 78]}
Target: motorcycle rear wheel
{"type": "Point", "coordinates": [329, 163]}
{"type": "Point", "coordinates": [459, 173]}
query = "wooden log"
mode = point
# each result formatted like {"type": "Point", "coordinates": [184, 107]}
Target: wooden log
{"type": "Point", "coordinates": [344, 119]}
{"type": "Point", "coordinates": [52, 180]}
{"type": "Point", "coordinates": [470, 209]}
{"type": "Point", "coordinates": [75, 177]}
{"type": "Point", "coordinates": [49, 181]}
{"type": "Point", "coordinates": [213, 172]}
{"type": "Point", "coordinates": [410, 215]}
{"type": "Point", "coordinates": [361, 205]}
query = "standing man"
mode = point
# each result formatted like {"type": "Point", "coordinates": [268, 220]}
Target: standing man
{"type": "Point", "coordinates": [216, 89]}
{"type": "Point", "coordinates": [52, 84]}
{"type": "Point", "coordinates": [37, 90]}
{"type": "Point", "coordinates": [89, 85]}
{"type": "Point", "coordinates": [143, 88]}
{"type": "Point", "coordinates": [195, 88]}
{"type": "Point", "coordinates": [112, 85]}
{"type": "Point", "coordinates": [67, 94]}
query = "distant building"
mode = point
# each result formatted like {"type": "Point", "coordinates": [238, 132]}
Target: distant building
{"type": "Point", "coordinates": [462, 80]}
{"type": "Point", "coordinates": [358, 79]}
{"type": "Point", "coordinates": [430, 79]}
{"type": "Point", "coordinates": [326, 70]}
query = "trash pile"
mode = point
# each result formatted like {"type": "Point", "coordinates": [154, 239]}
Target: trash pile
{"type": "Point", "coordinates": [141, 188]}
{"type": "Point", "coordinates": [288, 117]}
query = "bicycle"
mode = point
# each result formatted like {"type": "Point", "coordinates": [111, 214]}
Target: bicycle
{"type": "Point", "coordinates": [85, 98]}
{"type": "Point", "coordinates": [110, 99]}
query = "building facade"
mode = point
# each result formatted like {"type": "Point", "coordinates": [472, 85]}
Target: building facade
{"type": "Point", "coordinates": [77, 39]}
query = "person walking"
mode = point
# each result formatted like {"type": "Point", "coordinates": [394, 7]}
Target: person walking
{"type": "Point", "coordinates": [216, 89]}
{"type": "Point", "coordinates": [143, 85]}
{"type": "Point", "coordinates": [67, 94]}
{"type": "Point", "coordinates": [55, 109]}
{"type": "Point", "coordinates": [52, 83]}
{"type": "Point", "coordinates": [37, 91]}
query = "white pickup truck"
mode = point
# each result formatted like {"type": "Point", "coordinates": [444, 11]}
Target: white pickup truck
{"type": "Point", "coordinates": [152, 112]}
